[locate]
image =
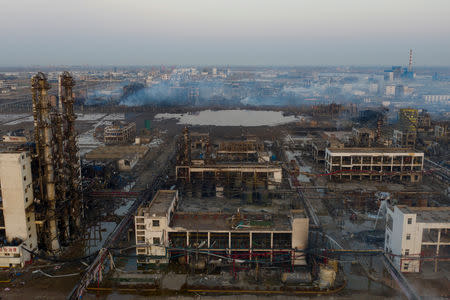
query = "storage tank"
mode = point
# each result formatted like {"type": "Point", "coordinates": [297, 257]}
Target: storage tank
{"type": "Point", "coordinates": [297, 277]}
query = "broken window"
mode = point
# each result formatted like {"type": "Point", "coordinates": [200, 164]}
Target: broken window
{"type": "Point", "coordinates": [261, 241]}
{"type": "Point", "coordinates": [282, 240]}
{"type": "Point", "coordinates": [240, 240]}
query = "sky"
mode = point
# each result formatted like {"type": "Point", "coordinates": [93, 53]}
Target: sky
{"type": "Point", "coordinates": [224, 32]}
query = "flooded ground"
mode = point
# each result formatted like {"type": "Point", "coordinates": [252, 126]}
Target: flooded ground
{"type": "Point", "coordinates": [232, 118]}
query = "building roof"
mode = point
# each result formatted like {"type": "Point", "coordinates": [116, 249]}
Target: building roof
{"type": "Point", "coordinates": [373, 150]}
{"type": "Point", "coordinates": [224, 222]}
{"type": "Point", "coordinates": [428, 214]}
{"type": "Point", "coordinates": [160, 203]}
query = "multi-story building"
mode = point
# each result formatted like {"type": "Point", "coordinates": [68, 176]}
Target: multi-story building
{"type": "Point", "coordinates": [390, 90]}
{"type": "Point", "coordinates": [417, 237]}
{"type": "Point", "coordinates": [436, 98]}
{"type": "Point", "coordinates": [120, 133]}
{"type": "Point", "coordinates": [404, 139]}
{"type": "Point", "coordinates": [17, 218]}
{"type": "Point", "coordinates": [166, 229]}
{"type": "Point", "coordinates": [374, 163]}
{"type": "Point", "coordinates": [408, 119]}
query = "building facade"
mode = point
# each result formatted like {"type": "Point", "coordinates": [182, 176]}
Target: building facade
{"type": "Point", "coordinates": [417, 237]}
{"type": "Point", "coordinates": [374, 163]}
{"type": "Point", "coordinates": [17, 219]}
{"type": "Point", "coordinates": [120, 133]}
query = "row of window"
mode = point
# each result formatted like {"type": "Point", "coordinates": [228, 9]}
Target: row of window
{"type": "Point", "coordinates": [155, 223]}
{"type": "Point", "coordinates": [155, 241]}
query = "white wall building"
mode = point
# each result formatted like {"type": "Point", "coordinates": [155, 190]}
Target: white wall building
{"type": "Point", "coordinates": [390, 90]}
{"type": "Point", "coordinates": [416, 236]}
{"type": "Point", "coordinates": [17, 218]}
{"type": "Point", "coordinates": [436, 98]}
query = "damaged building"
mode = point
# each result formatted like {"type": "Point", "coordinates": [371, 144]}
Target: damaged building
{"type": "Point", "coordinates": [374, 163]}
{"type": "Point", "coordinates": [418, 237]}
{"type": "Point", "coordinates": [167, 229]}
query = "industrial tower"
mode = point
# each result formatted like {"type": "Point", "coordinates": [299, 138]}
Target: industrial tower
{"type": "Point", "coordinates": [57, 178]}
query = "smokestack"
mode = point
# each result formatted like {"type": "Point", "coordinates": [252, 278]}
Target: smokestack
{"type": "Point", "coordinates": [410, 60]}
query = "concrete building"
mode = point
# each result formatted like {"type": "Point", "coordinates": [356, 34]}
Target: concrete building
{"type": "Point", "coordinates": [445, 99]}
{"type": "Point", "coordinates": [408, 119]}
{"type": "Point", "coordinates": [363, 137]}
{"type": "Point", "coordinates": [374, 163]}
{"type": "Point", "coordinates": [416, 237]}
{"type": "Point", "coordinates": [17, 218]}
{"type": "Point", "coordinates": [390, 90]}
{"type": "Point", "coordinates": [120, 133]}
{"type": "Point", "coordinates": [168, 228]}
{"type": "Point", "coordinates": [404, 139]}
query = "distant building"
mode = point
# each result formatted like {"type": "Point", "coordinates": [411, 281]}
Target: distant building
{"type": "Point", "coordinates": [417, 236]}
{"type": "Point", "coordinates": [17, 218]}
{"type": "Point", "coordinates": [397, 72]}
{"type": "Point", "coordinates": [363, 137]}
{"type": "Point", "coordinates": [120, 133]}
{"type": "Point", "coordinates": [399, 91]}
{"type": "Point", "coordinates": [436, 98]}
{"type": "Point", "coordinates": [373, 88]}
{"type": "Point", "coordinates": [408, 119]}
{"type": "Point", "coordinates": [390, 91]}
{"type": "Point", "coordinates": [388, 75]}
{"type": "Point", "coordinates": [404, 139]}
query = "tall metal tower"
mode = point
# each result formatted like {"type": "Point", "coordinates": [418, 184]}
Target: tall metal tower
{"type": "Point", "coordinates": [44, 155]}
{"type": "Point", "coordinates": [410, 60]}
{"type": "Point", "coordinates": [59, 200]}
{"type": "Point", "coordinates": [71, 155]}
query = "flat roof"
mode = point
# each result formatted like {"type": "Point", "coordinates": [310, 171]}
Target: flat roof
{"type": "Point", "coordinates": [240, 165]}
{"type": "Point", "coordinates": [223, 222]}
{"type": "Point", "coordinates": [428, 214]}
{"type": "Point", "coordinates": [160, 203]}
{"type": "Point", "coordinates": [272, 205]}
{"type": "Point", "coordinates": [373, 150]}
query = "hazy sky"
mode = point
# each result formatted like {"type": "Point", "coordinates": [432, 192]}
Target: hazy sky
{"type": "Point", "coordinates": [218, 32]}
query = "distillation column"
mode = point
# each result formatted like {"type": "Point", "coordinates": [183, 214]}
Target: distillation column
{"type": "Point", "coordinates": [43, 135]}
{"type": "Point", "coordinates": [71, 155]}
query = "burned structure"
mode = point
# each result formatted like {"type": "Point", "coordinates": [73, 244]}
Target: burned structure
{"type": "Point", "coordinates": [167, 229]}
{"type": "Point", "coordinates": [120, 133]}
{"type": "Point", "coordinates": [231, 203]}
{"type": "Point", "coordinates": [228, 168]}
{"type": "Point", "coordinates": [57, 169]}
{"type": "Point", "coordinates": [374, 163]}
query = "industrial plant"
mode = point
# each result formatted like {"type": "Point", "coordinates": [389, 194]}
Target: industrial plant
{"type": "Point", "coordinates": [219, 181]}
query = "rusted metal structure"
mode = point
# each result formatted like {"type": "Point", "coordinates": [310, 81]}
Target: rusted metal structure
{"type": "Point", "coordinates": [45, 158]}
{"type": "Point", "coordinates": [72, 160]}
{"type": "Point", "coordinates": [57, 181]}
